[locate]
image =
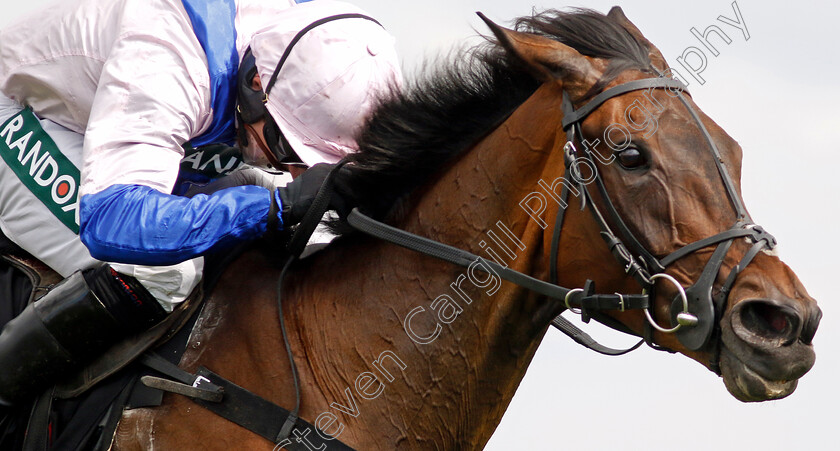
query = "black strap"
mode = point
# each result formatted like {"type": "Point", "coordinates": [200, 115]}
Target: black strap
{"type": "Point", "coordinates": [242, 407]}
{"type": "Point", "coordinates": [642, 275]}
{"type": "Point", "coordinates": [558, 227]}
{"type": "Point", "coordinates": [635, 85]}
{"type": "Point", "coordinates": [265, 418]}
{"type": "Point", "coordinates": [585, 300]}
{"type": "Point", "coordinates": [313, 215]}
{"type": "Point", "coordinates": [187, 384]}
{"type": "Point", "coordinates": [451, 254]}
{"type": "Point", "coordinates": [740, 211]}
{"type": "Point", "coordinates": [562, 324]}
{"type": "Point", "coordinates": [587, 341]}
{"type": "Point", "coordinates": [617, 247]}
{"type": "Point", "coordinates": [163, 366]}
{"type": "Point", "coordinates": [304, 231]}
{"type": "Point", "coordinates": [292, 418]}
{"type": "Point", "coordinates": [110, 422]}
{"type": "Point", "coordinates": [736, 270]}
{"type": "Point", "coordinates": [163, 384]}
{"type": "Point", "coordinates": [619, 302]}
{"type": "Point", "coordinates": [734, 232]}
{"type": "Point", "coordinates": [38, 429]}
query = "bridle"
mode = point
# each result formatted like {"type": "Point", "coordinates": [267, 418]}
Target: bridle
{"type": "Point", "coordinates": [695, 312]}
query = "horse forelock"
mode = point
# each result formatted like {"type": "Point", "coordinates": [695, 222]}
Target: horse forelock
{"type": "Point", "coordinates": [594, 35]}
{"type": "Point", "coordinates": [448, 107]}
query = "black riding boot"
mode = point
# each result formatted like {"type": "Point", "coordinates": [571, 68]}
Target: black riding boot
{"type": "Point", "coordinates": [70, 326]}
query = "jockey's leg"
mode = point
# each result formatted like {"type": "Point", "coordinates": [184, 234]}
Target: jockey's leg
{"type": "Point", "coordinates": [82, 316]}
{"type": "Point", "coordinates": [68, 327]}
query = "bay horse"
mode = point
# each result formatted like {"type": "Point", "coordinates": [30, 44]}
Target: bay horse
{"type": "Point", "coordinates": [396, 349]}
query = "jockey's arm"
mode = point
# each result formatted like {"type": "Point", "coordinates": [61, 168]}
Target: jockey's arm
{"type": "Point", "coordinates": [140, 225]}
{"type": "Point", "coordinates": [150, 99]}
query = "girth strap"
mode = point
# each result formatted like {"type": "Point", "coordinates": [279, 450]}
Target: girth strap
{"type": "Point", "coordinates": [265, 418]}
{"type": "Point", "coordinates": [242, 407]}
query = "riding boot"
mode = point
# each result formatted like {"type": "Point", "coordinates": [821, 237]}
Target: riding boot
{"type": "Point", "coordinates": [69, 327]}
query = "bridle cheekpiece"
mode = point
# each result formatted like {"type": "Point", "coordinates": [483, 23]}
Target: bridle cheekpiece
{"type": "Point", "coordinates": [695, 312]}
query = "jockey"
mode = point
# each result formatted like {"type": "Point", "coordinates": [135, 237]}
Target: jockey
{"type": "Point", "coordinates": [110, 111]}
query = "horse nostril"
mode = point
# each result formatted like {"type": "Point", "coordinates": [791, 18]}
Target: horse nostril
{"type": "Point", "coordinates": [770, 322]}
{"type": "Point", "coordinates": [810, 327]}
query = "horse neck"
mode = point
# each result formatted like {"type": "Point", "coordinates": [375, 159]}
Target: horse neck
{"type": "Point", "coordinates": [475, 205]}
{"type": "Point", "coordinates": [457, 383]}
{"type": "Point", "coordinates": [347, 308]}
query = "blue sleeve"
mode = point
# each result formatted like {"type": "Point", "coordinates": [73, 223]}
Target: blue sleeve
{"type": "Point", "coordinates": [139, 225]}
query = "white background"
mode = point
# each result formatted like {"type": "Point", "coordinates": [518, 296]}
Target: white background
{"type": "Point", "coordinates": [778, 95]}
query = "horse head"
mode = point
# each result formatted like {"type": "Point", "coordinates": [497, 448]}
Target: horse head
{"type": "Point", "coordinates": [665, 180]}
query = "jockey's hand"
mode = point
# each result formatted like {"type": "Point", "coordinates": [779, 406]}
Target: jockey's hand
{"type": "Point", "coordinates": [240, 177]}
{"type": "Point", "coordinates": [299, 194]}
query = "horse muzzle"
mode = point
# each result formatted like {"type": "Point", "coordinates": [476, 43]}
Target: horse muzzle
{"type": "Point", "coordinates": [766, 347]}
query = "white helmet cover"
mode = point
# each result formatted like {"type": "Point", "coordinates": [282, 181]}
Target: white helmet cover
{"type": "Point", "coordinates": [330, 80]}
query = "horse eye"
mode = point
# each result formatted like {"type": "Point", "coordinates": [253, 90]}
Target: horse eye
{"type": "Point", "coordinates": [631, 158]}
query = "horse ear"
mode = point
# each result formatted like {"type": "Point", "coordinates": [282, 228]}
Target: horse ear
{"type": "Point", "coordinates": [543, 57]}
{"type": "Point", "coordinates": [656, 58]}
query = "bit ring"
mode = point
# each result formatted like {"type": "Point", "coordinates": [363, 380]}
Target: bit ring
{"type": "Point", "coordinates": [682, 295]}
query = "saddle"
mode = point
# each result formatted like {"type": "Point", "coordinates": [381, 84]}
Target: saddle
{"type": "Point", "coordinates": [98, 382]}
{"type": "Point", "coordinates": [119, 355]}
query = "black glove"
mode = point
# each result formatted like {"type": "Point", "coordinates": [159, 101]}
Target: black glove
{"type": "Point", "coordinates": [298, 195]}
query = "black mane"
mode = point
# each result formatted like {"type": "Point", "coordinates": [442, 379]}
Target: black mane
{"type": "Point", "coordinates": [417, 130]}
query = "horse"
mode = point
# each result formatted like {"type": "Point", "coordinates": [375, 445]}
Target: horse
{"type": "Point", "coordinates": [396, 349]}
